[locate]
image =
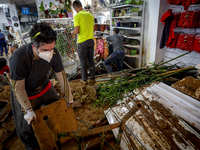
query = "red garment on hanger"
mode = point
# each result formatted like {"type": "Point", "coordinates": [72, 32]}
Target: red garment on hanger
{"type": "Point", "coordinates": [185, 41]}
{"type": "Point", "coordinates": [186, 4]}
{"type": "Point", "coordinates": [176, 20]}
{"type": "Point", "coordinates": [174, 41]}
{"type": "Point", "coordinates": [171, 1]}
{"type": "Point", "coordinates": [198, 14]}
{"type": "Point", "coordinates": [178, 2]}
{"type": "Point", "coordinates": [195, 1]}
{"type": "Point", "coordinates": [189, 19]}
{"type": "Point", "coordinates": [175, 2]}
{"type": "Point", "coordinates": [171, 30]}
{"type": "Point", "coordinates": [197, 44]}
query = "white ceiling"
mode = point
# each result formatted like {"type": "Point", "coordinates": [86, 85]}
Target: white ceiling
{"type": "Point", "coordinates": [22, 3]}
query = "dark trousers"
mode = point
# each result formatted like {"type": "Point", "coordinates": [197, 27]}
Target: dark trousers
{"type": "Point", "coordinates": [5, 47]}
{"type": "Point", "coordinates": [86, 53]}
{"type": "Point", "coordinates": [2, 41]}
{"type": "Point", "coordinates": [115, 56]}
{"type": "Point", "coordinates": [24, 130]}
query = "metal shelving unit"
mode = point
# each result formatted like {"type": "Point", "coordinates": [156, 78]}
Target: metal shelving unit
{"type": "Point", "coordinates": [139, 29]}
{"type": "Point", "coordinates": [102, 24]}
{"type": "Point", "coordinates": [126, 17]}
{"type": "Point", "coordinates": [127, 5]}
{"type": "Point", "coordinates": [132, 46]}
{"type": "Point", "coordinates": [133, 37]}
{"type": "Point", "coordinates": [103, 32]}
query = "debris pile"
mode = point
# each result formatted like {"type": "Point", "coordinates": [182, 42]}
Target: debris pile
{"type": "Point", "coordinates": [189, 86]}
{"type": "Point", "coordinates": [86, 94]}
{"type": "Point", "coordinates": [7, 126]}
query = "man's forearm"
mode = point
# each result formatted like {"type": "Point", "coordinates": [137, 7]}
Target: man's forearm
{"type": "Point", "coordinates": [20, 93]}
{"type": "Point", "coordinates": [73, 32]}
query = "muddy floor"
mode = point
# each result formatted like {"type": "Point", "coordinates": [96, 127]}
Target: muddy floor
{"type": "Point", "coordinates": [88, 116]}
{"type": "Point", "coordinates": [85, 113]}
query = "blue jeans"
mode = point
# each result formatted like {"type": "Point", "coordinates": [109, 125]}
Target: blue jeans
{"type": "Point", "coordinates": [2, 41]}
{"type": "Point", "coordinates": [115, 56]}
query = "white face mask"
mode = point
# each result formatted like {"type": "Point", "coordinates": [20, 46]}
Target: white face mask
{"type": "Point", "coordinates": [46, 55]}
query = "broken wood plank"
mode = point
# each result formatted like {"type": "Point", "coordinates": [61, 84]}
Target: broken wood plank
{"type": "Point", "coordinates": [63, 119]}
{"type": "Point", "coordinates": [4, 113]}
{"type": "Point", "coordinates": [8, 131]}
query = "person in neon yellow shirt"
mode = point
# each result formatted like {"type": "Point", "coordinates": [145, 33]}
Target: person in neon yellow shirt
{"type": "Point", "coordinates": [84, 27]}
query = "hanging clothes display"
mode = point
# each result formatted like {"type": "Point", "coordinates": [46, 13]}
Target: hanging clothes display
{"type": "Point", "coordinates": [168, 31]}
{"type": "Point", "coordinates": [195, 1]}
{"type": "Point", "coordinates": [186, 4]}
{"type": "Point", "coordinates": [197, 43]}
{"type": "Point", "coordinates": [106, 51]}
{"type": "Point", "coordinates": [176, 21]}
{"type": "Point", "coordinates": [100, 48]}
{"type": "Point", "coordinates": [198, 14]}
{"type": "Point", "coordinates": [95, 43]}
{"type": "Point", "coordinates": [174, 41]}
{"type": "Point", "coordinates": [175, 2]}
{"type": "Point", "coordinates": [189, 19]}
{"type": "Point", "coordinates": [171, 1]}
{"type": "Point", "coordinates": [178, 2]}
{"type": "Point", "coordinates": [185, 41]}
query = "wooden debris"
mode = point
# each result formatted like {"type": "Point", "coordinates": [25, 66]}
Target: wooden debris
{"type": "Point", "coordinates": [4, 113]}
{"type": "Point", "coordinates": [8, 131]}
{"type": "Point", "coordinates": [63, 119]}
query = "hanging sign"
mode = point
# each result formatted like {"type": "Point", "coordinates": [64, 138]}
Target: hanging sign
{"type": "Point", "coordinates": [25, 10]}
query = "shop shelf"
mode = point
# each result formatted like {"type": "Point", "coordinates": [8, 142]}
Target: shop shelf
{"type": "Point", "coordinates": [138, 28]}
{"type": "Point", "coordinates": [103, 32]}
{"type": "Point", "coordinates": [134, 56]}
{"type": "Point", "coordinates": [132, 46]}
{"type": "Point", "coordinates": [102, 24]}
{"type": "Point", "coordinates": [124, 17]}
{"type": "Point", "coordinates": [122, 6]}
{"type": "Point", "coordinates": [131, 37]}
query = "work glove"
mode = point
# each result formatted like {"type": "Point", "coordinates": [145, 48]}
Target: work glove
{"type": "Point", "coordinates": [198, 67]}
{"type": "Point", "coordinates": [30, 116]}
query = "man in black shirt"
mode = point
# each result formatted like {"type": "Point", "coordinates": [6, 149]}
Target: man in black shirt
{"type": "Point", "coordinates": [31, 87]}
{"type": "Point", "coordinates": [118, 50]}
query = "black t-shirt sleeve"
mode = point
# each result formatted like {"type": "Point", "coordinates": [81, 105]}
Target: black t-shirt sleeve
{"type": "Point", "coordinates": [57, 62]}
{"type": "Point", "coordinates": [18, 68]}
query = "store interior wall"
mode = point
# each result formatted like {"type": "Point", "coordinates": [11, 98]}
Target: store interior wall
{"type": "Point", "coordinates": [150, 31]}
{"type": "Point", "coordinates": [13, 12]}
{"type": "Point", "coordinates": [160, 53]}
{"type": "Point", "coordinates": [153, 31]}
{"type": "Point", "coordinates": [3, 18]}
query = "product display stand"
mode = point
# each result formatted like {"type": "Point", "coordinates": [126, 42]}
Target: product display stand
{"type": "Point", "coordinates": [140, 19]}
{"type": "Point", "coordinates": [191, 59]}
